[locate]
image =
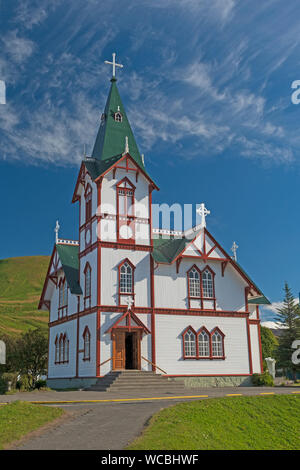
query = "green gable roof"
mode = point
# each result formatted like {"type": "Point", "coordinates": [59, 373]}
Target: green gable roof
{"type": "Point", "coordinates": [165, 250]}
{"type": "Point", "coordinates": [111, 136]}
{"type": "Point", "coordinates": [68, 255]}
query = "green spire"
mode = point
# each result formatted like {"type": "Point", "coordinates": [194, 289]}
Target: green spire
{"type": "Point", "coordinates": [111, 137]}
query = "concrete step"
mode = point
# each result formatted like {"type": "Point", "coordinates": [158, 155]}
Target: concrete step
{"type": "Point", "coordinates": [133, 380]}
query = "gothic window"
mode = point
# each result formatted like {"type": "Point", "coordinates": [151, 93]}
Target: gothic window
{"type": "Point", "coordinates": [56, 349]}
{"type": "Point", "coordinates": [125, 211]}
{"type": "Point", "coordinates": [88, 203]}
{"type": "Point", "coordinates": [217, 344]}
{"type": "Point", "coordinates": [63, 298]}
{"type": "Point", "coordinates": [189, 341]}
{"type": "Point", "coordinates": [194, 282]}
{"type": "Point", "coordinates": [207, 284]}
{"type": "Point", "coordinates": [87, 286]}
{"type": "Point", "coordinates": [203, 344]}
{"type": "Point", "coordinates": [126, 280]}
{"type": "Point", "coordinates": [86, 344]}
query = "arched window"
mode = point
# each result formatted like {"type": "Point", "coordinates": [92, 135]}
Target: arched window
{"type": "Point", "coordinates": [86, 344]}
{"type": "Point", "coordinates": [126, 278]}
{"type": "Point", "coordinates": [61, 348]}
{"type": "Point", "coordinates": [217, 344]}
{"type": "Point", "coordinates": [203, 344]}
{"type": "Point", "coordinates": [63, 298]}
{"type": "Point", "coordinates": [207, 284]}
{"type": "Point", "coordinates": [88, 203]}
{"type": "Point", "coordinates": [66, 349]}
{"type": "Point", "coordinates": [126, 281]}
{"type": "Point", "coordinates": [189, 342]}
{"type": "Point", "coordinates": [56, 350]}
{"type": "Point", "coordinates": [194, 283]}
{"type": "Point", "coordinates": [87, 286]}
{"type": "Point", "coordinates": [125, 211]}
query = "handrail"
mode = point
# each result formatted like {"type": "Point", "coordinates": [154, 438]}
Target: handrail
{"type": "Point", "coordinates": [164, 372]}
{"type": "Point", "coordinates": [107, 360]}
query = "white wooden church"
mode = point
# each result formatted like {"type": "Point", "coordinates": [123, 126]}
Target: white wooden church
{"type": "Point", "coordinates": [127, 295]}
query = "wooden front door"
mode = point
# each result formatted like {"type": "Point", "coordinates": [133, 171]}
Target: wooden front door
{"type": "Point", "coordinates": [119, 350]}
{"type": "Point", "coordinates": [126, 349]}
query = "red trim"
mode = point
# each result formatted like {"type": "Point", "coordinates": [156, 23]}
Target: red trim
{"type": "Point", "coordinates": [125, 218]}
{"type": "Point", "coordinates": [147, 310]}
{"type": "Point", "coordinates": [129, 315]}
{"type": "Point", "coordinates": [153, 346]}
{"type": "Point", "coordinates": [189, 328]}
{"type": "Point", "coordinates": [42, 302]}
{"type": "Point", "coordinates": [99, 284]}
{"type": "Point", "coordinates": [128, 157]}
{"type": "Point", "coordinates": [249, 347]}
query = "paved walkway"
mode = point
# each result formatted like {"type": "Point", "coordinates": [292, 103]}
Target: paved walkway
{"type": "Point", "coordinates": [114, 420]}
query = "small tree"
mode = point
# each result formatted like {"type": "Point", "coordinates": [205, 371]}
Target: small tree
{"type": "Point", "coordinates": [269, 342]}
{"type": "Point", "coordinates": [31, 355]}
{"type": "Point", "coordinates": [288, 317]}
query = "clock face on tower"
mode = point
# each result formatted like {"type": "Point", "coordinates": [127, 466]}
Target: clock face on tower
{"type": "Point", "coordinates": [125, 232]}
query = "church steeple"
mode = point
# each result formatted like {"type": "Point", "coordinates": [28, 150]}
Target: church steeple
{"type": "Point", "coordinates": [114, 129]}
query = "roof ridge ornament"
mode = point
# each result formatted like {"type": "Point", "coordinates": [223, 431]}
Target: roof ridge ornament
{"type": "Point", "coordinates": [126, 145]}
{"type": "Point", "coordinates": [56, 230]}
{"type": "Point", "coordinates": [203, 212]}
{"type": "Point", "coordinates": [234, 250]}
{"type": "Point", "coordinates": [114, 65]}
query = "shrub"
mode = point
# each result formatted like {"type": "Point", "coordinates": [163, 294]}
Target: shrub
{"type": "Point", "coordinates": [23, 383]}
{"type": "Point", "coordinates": [264, 379]}
{"type": "Point", "coordinates": [40, 384]}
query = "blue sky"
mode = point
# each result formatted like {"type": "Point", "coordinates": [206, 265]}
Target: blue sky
{"type": "Point", "coordinates": [207, 88]}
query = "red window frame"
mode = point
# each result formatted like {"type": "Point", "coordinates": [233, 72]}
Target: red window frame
{"type": "Point", "coordinates": [126, 294]}
{"type": "Point", "coordinates": [210, 335]}
{"type": "Point", "coordinates": [201, 297]}
{"type": "Point", "coordinates": [86, 335]}
{"type": "Point", "coordinates": [125, 186]}
{"type": "Point", "coordinates": [87, 298]}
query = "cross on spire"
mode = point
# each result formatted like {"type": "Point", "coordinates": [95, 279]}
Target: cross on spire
{"type": "Point", "coordinates": [234, 250]}
{"type": "Point", "coordinates": [203, 212]}
{"type": "Point", "coordinates": [114, 64]}
{"type": "Point", "coordinates": [56, 230]}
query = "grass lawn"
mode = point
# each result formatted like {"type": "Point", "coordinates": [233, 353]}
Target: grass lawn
{"type": "Point", "coordinates": [19, 418]}
{"type": "Point", "coordinates": [231, 423]}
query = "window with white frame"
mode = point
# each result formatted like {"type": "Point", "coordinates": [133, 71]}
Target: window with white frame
{"type": "Point", "coordinates": [194, 283]}
{"type": "Point", "coordinates": [203, 344]}
{"type": "Point", "coordinates": [189, 344]}
{"type": "Point", "coordinates": [126, 285]}
{"type": "Point", "coordinates": [217, 344]}
{"type": "Point", "coordinates": [207, 284]}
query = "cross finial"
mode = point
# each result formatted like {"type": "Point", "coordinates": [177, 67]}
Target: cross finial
{"type": "Point", "coordinates": [56, 230]}
{"type": "Point", "coordinates": [203, 212]}
{"type": "Point", "coordinates": [234, 250]}
{"type": "Point", "coordinates": [114, 64]}
{"type": "Point", "coordinates": [129, 302]}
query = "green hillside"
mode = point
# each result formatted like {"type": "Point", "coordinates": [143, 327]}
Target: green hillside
{"type": "Point", "coordinates": [21, 283]}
